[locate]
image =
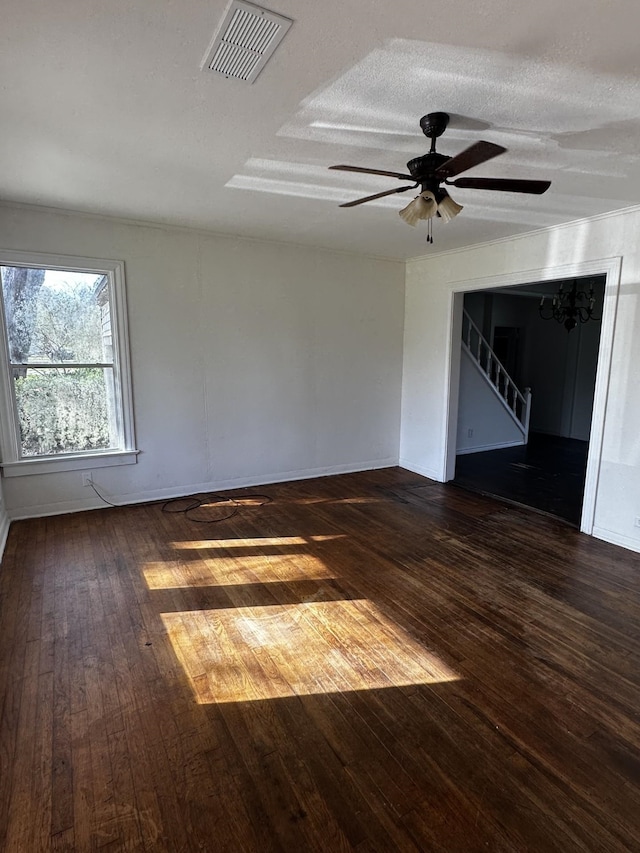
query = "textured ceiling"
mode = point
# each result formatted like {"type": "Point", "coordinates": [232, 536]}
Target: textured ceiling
{"type": "Point", "coordinates": [105, 109]}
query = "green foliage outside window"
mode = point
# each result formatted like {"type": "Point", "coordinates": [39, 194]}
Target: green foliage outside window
{"type": "Point", "coordinates": [62, 412]}
{"type": "Point", "coordinates": [54, 317]}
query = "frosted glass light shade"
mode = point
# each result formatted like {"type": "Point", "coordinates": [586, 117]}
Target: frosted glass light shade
{"type": "Point", "coordinates": [448, 208]}
{"type": "Point", "coordinates": [423, 206]}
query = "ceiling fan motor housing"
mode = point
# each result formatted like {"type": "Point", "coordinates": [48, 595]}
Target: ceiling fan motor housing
{"type": "Point", "coordinates": [423, 170]}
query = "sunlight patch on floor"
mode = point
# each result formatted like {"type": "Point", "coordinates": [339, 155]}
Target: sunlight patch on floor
{"type": "Point", "coordinates": [315, 647]}
{"type": "Point", "coordinates": [250, 569]}
{"type": "Point", "coordinates": [194, 544]}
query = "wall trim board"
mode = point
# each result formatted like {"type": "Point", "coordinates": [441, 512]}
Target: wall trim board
{"type": "Point", "coordinates": [482, 447]}
{"type": "Point", "coordinates": [601, 266]}
{"type": "Point", "coordinates": [609, 267]}
{"type": "Point", "coordinates": [157, 495]}
{"type": "Point", "coordinates": [616, 539]}
{"type": "Point", "coordinates": [429, 473]}
{"type": "Point", "coordinates": [5, 523]}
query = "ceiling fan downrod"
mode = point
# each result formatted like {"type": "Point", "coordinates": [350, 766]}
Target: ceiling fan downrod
{"type": "Point", "coordinates": [434, 125]}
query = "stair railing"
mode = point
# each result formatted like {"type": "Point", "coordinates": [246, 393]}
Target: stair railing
{"type": "Point", "coordinates": [517, 403]}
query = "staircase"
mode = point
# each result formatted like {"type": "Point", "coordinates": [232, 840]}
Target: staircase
{"type": "Point", "coordinates": [515, 402]}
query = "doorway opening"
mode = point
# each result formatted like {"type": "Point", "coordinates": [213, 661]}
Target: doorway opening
{"type": "Point", "coordinates": [553, 464]}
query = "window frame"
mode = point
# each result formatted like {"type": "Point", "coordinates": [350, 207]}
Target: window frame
{"type": "Point", "coordinates": [13, 464]}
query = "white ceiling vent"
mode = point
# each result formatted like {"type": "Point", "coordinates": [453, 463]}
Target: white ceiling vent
{"type": "Point", "coordinates": [244, 41]}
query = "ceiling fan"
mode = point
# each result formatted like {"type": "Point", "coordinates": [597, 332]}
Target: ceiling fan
{"type": "Point", "coordinates": [433, 170]}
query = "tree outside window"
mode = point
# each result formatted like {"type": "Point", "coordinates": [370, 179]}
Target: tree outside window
{"type": "Point", "coordinates": [63, 373]}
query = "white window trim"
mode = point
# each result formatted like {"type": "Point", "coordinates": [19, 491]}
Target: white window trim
{"type": "Point", "coordinates": [12, 465]}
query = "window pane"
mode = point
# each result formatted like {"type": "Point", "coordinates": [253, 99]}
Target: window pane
{"type": "Point", "coordinates": [64, 410]}
{"type": "Point", "coordinates": [56, 316]}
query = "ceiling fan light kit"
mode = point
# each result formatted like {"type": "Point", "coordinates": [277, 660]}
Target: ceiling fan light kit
{"type": "Point", "coordinates": [423, 206]}
{"type": "Point", "coordinates": [432, 170]}
{"type": "Point", "coordinates": [448, 209]}
{"type": "Point", "coordinates": [427, 205]}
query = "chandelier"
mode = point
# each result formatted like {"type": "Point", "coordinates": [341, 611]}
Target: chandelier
{"type": "Point", "coordinates": [569, 307]}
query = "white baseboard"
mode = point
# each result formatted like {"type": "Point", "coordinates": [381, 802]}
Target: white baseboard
{"type": "Point", "coordinates": [171, 492]}
{"type": "Point", "coordinates": [616, 539]}
{"type": "Point", "coordinates": [419, 469]}
{"type": "Point", "coordinates": [481, 448]}
{"type": "Point", "coordinates": [4, 531]}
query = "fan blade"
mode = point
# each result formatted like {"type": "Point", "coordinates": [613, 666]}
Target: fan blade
{"type": "Point", "coordinates": [373, 172]}
{"type": "Point", "coordinates": [379, 195]}
{"type": "Point", "coordinates": [504, 184]}
{"type": "Point", "coordinates": [475, 154]}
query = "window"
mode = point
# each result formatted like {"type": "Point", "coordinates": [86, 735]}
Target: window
{"type": "Point", "coordinates": [65, 366]}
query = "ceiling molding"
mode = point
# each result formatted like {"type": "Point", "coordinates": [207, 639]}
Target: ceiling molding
{"type": "Point", "coordinates": [187, 229]}
{"type": "Point", "coordinates": [635, 208]}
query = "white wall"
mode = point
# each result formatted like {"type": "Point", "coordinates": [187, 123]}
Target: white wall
{"type": "Point", "coordinates": [428, 310]}
{"type": "Point", "coordinates": [482, 412]}
{"type": "Point", "coordinates": [252, 362]}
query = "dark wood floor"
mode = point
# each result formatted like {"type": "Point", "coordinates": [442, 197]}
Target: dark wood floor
{"type": "Point", "coordinates": [371, 662]}
{"type": "Point", "coordinates": [547, 474]}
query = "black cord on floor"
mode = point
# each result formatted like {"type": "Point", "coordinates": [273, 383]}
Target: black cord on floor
{"type": "Point", "coordinates": [236, 502]}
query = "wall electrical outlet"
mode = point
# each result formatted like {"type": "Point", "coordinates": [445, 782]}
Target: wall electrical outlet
{"type": "Point", "coordinates": [87, 479]}
{"type": "Point", "coordinates": [470, 432]}
{"type": "Point", "coordinates": [636, 521]}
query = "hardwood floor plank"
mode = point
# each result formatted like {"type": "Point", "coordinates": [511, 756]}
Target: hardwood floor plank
{"type": "Point", "coordinates": [19, 776]}
{"type": "Point", "coordinates": [41, 793]}
{"type": "Point", "coordinates": [15, 597]}
{"type": "Point", "coordinates": [368, 662]}
{"type": "Point", "coordinates": [82, 789]}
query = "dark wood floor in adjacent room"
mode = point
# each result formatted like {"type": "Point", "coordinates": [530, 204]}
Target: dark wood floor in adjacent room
{"type": "Point", "coordinates": [370, 662]}
{"type": "Point", "coordinates": [548, 474]}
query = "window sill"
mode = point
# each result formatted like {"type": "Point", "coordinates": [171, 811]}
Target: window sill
{"type": "Point", "coordinates": [57, 464]}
